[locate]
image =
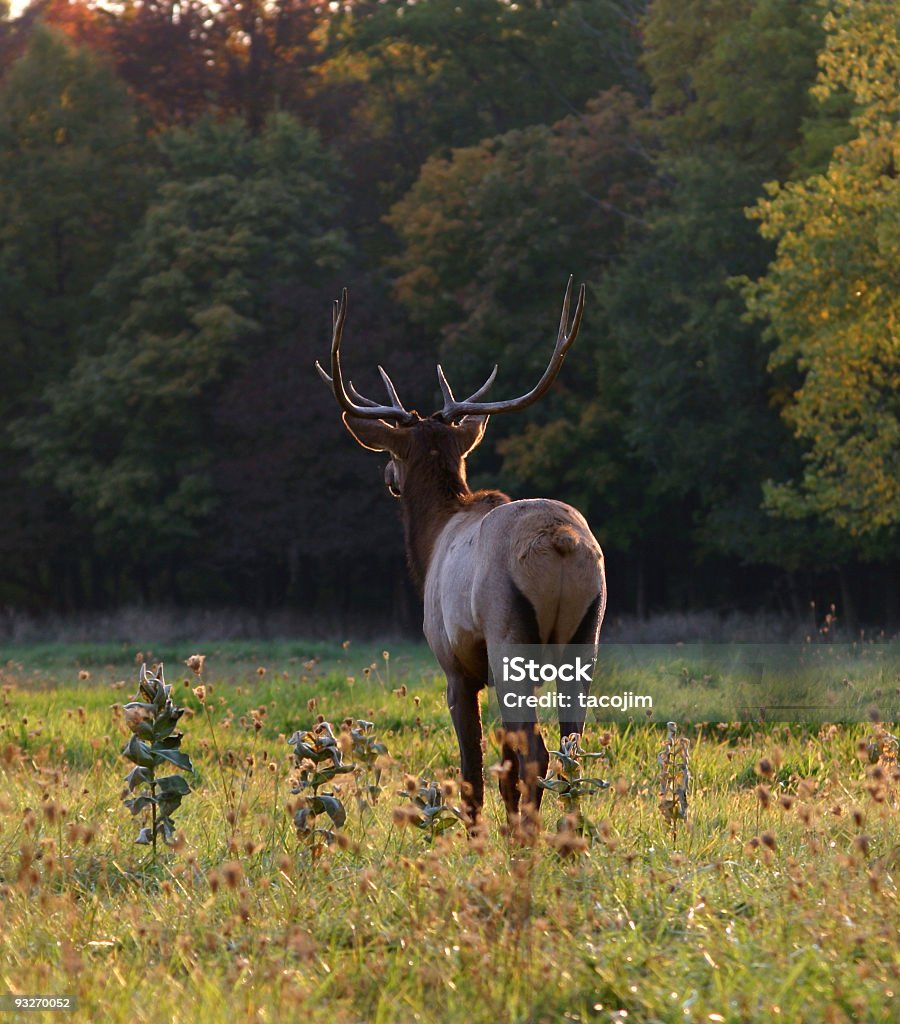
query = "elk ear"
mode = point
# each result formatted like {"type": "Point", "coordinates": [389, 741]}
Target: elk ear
{"type": "Point", "coordinates": [377, 435]}
{"type": "Point", "coordinates": [470, 432]}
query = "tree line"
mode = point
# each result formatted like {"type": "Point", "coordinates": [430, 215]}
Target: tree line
{"type": "Point", "coordinates": [184, 188]}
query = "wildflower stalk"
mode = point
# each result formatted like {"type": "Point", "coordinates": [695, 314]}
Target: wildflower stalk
{"type": "Point", "coordinates": [152, 717]}
{"type": "Point", "coordinates": [674, 777]}
{"type": "Point", "coordinates": [318, 759]}
{"type": "Point", "coordinates": [570, 785]}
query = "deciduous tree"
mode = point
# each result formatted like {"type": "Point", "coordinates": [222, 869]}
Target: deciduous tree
{"type": "Point", "coordinates": [128, 436]}
{"type": "Point", "coordinates": [831, 294]}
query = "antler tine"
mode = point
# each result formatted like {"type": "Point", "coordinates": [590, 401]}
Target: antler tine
{"type": "Point", "coordinates": [484, 387]}
{"type": "Point", "coordinates": [391, 390]}
{"type": "Point", "coordinates": [356, 396]}
{"type": "Point", "coordinates": [367, 409]}
{"type": "Point", "coordinates": [565, 337]}
{"type": "Point", "coordinates": [445, 386]}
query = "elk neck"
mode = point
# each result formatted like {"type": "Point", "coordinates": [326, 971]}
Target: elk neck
{"type": "Point", "coordinates": [434, 491]}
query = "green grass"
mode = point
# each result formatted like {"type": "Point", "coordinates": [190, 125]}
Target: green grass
{"type": "Point", "coordinates": [749, 913]}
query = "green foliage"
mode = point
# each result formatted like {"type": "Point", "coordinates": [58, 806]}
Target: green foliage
{"type": "Point", "coordinates": [318, 759]}
{"type": "Point", "coordinates": [370, 753]}
{"type": "Point", "coordinates": [830, 295]}
{"type": "Point", "coordinates": [693, 373]}
{"type": "Point", "coordinates": [732, 74]}
{"type": "Point", "coordinates": [446, 73]}
{"type": "Point", "coordinates": [731, 105]}
{"type": "Point", "coordinates": [486, 233]}
{"type": "Point", "coordinates": [567, 781]}
{"type": "Point", "coordinates": [166, 288]}
{"type": "Point", "coordinates": [475, 225]}
{"type": "Point", "coordinates": [75, 175]}
{"type": "Point", "coordinates": [74, 178]}
{"type": "Point", "coordinates": [154, 743]}
{"type": "Point", "coordinates": [193, 294]}
{"type": "Point", "coordinates": [428, 809]}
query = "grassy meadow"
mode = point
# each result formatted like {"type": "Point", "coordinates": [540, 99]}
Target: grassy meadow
{"type": "Point", "coordinates": [775, 901]}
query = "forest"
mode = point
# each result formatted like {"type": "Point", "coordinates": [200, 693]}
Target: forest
{"type": "Point", "coordinates": [185, 188]}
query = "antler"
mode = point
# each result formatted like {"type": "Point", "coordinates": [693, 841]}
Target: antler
{"type": "Point", "coordinates": [366, 409]}
{"type": "Point", "coordinates": [453, 410]}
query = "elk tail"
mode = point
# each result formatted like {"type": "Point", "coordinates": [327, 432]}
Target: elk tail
{"type": "Point", "coordinates": [561, 537]}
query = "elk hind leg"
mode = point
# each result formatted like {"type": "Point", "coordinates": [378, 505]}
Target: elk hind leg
{"type": "Point", "coordinates": [462, 698]}
{"type": "Point", "coordinates": [585, 634]}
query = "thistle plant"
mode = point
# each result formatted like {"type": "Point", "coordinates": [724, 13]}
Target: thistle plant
{"type": "Point", "coordinates": [674, 776]}
{"type": "Point", "coordinates": [567, 781]}
{"type": "Point", "coordinates": [367, 750]}
{"type": "Point", "coordinates": [152, 718]}
{"type": "Point", "coordinates": [318, 760]}
{"type": "Point", "coordinates": [429, 810]}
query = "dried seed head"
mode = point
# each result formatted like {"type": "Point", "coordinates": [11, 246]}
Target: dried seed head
{"type": "Point", "coordinates": [568, 843]}
{"type": "Point", "coordinates": [403, 816]}
{"type": "Point", "coordinates": [806, 788]}
{"type": "Point", "coordinates": [763, 796]}
{"type": "Point", "coordinates": [195, 663]}
{"type": "Point", "coordinates": [136, 716]}
{"type": "Point", "coordinates": [232, 873]}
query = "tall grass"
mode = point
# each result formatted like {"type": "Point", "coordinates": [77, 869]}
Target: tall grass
{"type": "Point", "coordinates": [775, 900]}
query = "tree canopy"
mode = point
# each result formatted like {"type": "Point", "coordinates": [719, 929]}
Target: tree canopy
{"type": "Point", "coordinates": [185, 187]}
{"type": "Point", "coordinates": [831, 294]}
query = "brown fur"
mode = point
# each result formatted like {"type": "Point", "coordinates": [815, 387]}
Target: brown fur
{"type": "Point", "coordinates": [435, 489]}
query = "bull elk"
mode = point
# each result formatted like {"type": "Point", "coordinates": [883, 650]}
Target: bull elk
{"type": "Point", "coordinates": [490, 570]}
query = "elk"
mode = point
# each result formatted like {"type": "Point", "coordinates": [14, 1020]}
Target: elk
{"type": "Point", "coordinates": [490, 570]}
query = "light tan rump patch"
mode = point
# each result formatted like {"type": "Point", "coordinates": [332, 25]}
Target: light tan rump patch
{"type": "Point", "coordinates": [562, 537]}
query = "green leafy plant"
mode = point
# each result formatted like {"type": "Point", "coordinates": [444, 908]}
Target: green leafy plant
{"type": "Point", "coordinates": [567, 781]}
{"type": "Point", "coordinates": [367, 751]}
{"type": "Point", "coordinates": [429, 811]}
{"type": "Point", "coordinates": [318, 759]}
{"type": "Point", "coordinates": [152, 718]}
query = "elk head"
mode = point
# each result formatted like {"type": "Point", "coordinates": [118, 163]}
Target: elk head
{"type": "Point", "coordinates": [442, 440]}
